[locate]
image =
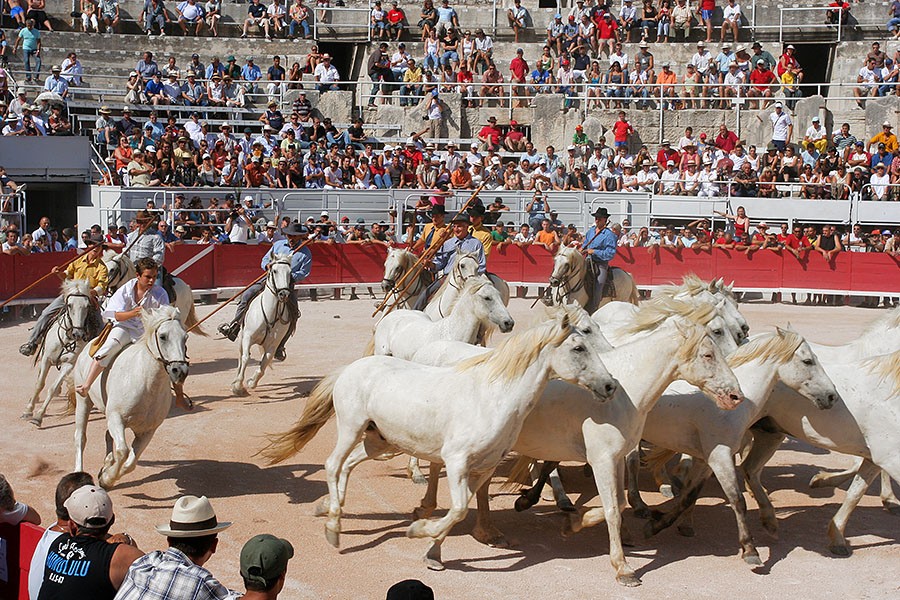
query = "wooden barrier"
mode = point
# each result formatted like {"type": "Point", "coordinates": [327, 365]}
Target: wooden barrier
{"type": "Point", "coordinates": [21, 541]}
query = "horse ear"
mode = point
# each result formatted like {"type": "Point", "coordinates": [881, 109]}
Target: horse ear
{"type": "Point", "coordinates": [780, 331]}
{"type": "Point", "coordinates": [564, 323]}
{"type": "Point", "coordinates": [730, 286]}
{"type": "Point", "coordinates": [721, 304]}
{"type": "Point", "coordinates": [712, 287]}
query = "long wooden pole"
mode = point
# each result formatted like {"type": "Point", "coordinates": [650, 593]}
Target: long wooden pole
{"type": "Point", "coordinates": [427, 255]}
{"type": "Point", "coordinates": [62, 266]}
{"type": "Point", "coordinates": [246, 287]}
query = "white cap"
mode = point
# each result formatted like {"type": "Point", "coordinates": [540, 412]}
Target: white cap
{"type": "Point", "coordinates": [670, 163]}
{"type": "Point", "coordinates": [779, 105]}
{"type": "Point", "coordinates": [324, 213]}
{"type": "Point", "coordinates": [248, 197]}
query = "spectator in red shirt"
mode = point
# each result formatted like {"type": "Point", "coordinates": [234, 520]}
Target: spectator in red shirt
{"type": "Point", "coordinates": [412, 155]}
{"type": "Point", "coordinates": [621, 130]}
{"type": "Point", "coordinates": [762, 229]}
{"type": "Point", "coordinates": [515, 140]}
{"type": "Point", "coordinates": [726, 140]}
{"type": "Point", "coordinates": [706, 10]}
{"type": "Point", "coordinates": [606, 32]}
{"type": "Point", "coordinates": [667, 153]}
{"type": "Point", "coordinates": [490, 136]}
{"type": "Point", "coordinates": [761, 80]}
{"type": "Point", "coordinates": [395, 19]}
{"type": "Point", "coordinates": [518, 70]}
{"type": "Point", "coordinates": [466, 78]}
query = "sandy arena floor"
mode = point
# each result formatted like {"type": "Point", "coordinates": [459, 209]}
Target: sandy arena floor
{"type": "Point", "coordinates": [210, 451]}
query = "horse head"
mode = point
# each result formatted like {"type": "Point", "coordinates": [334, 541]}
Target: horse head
{"type": "Point", "coordinates": [466, 266]}
{"type": "Point", "coordinates": [563, 265]}
{"type": "Point", "coordinates": [279, 279]}
{"type": "Point", "coordinates": [700, 362]}
{"type": "Point", "coordinates": [395, 265]}
{"type": "Point", "coordinates": [166, 339]}
{"type": "Point", "coordinates": [118, 266]}
{"type": "Point", "coordinates": [486, 302]}
{"type": "Point", "coordinates": [77, 306]}
{"type": "Point", "coordinates": [576, 357]}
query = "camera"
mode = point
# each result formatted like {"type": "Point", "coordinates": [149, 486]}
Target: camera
{"type": "Point", "coordinates": [233, 215]}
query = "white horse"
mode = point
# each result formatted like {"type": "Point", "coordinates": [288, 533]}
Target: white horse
{"type": "Point", "coordinates": [465, 266]}
{"type": "Point", "coordinates": [266, 323]}
{"type": "Point", "coordinates": [465, 417]}
{"type": "Point", "coordinates": [63, 341]}
{"type": "Point", "coordinates": [567, 283]}
{"type": "Point", "coordinates": [396, 265]}
{"type": "Point", "coordinates": [681, 422]}
{"type": "Point", "coordinates": [478, 307]}
{"type": "Point", "coordinates": [567, 425]}
{"type": "Point", "coordinates": [865, 422]}
{"type": "Point", "coordinates": [134, 392]}
{"type": "Point", "coordinates": [121, 269]}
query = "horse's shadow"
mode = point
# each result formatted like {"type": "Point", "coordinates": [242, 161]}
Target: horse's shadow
{"type": "Point", "coordinates": [216, 365]}
{"type": "Point", "coordinates": [216, 479]}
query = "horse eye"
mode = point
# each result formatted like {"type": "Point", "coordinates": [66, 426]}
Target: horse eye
{"type": "Point", "coordinates": [588, 331]}
{"type": "Point", "coordinates": [708, 356]}
{"type": "Point", "coordinates": [808, 362]}
{"type": "Point", "coordinates": [579, 348]}
{"type": "Point", "coordinates": [163, 337]}
{"type": "Point", "coordinates": [717, 332]}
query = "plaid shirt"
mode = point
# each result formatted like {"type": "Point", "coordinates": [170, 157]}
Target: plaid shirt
{"type": "Point", "coordinates": [170, 575]}
{"type": "Point", "coordinates": [150, 244]}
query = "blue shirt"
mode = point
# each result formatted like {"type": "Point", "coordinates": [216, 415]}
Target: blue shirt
{"type": "Point", "coordinates": [446, 256]}
{"type": "Point", "coordinates": [251, 73]}
{"type": "Point", "coordinates": [603, 245]}
{"type": "Point", "coordinates": [301, 260]}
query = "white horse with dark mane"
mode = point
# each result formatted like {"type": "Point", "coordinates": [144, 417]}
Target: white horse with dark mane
{"type": "Point", "coordinates": [135, 392]}
{"type": "Point", "coordinates": [465, 266]}
{"type": "Point", "coordinates": [121, 269]}
{"type": "Point", "coordinates": [567, 281]}
{"type": "Point", "coordinates": [266, 323]}
{"type": "Point", "coordinates": [64, 339]}
{"type": "Point", "coordinates": [464, 417]}
{"type": "Point", "coordinates": [397, 263]}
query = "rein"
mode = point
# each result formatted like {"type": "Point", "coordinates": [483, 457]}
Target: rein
{"type": "Point", "coordinates": [166, 363]}
{"type": "Point", "coordinates": [564, 287]}
{"type": "Point", "coordinates": [68, 344]}
{"type": "Point", "coordinates": [281, 306]}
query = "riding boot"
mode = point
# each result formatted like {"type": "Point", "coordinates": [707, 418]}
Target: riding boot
{"type": "Point", "coordinates": [230, 330]}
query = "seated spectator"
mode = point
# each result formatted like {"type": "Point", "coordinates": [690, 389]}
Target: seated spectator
{"type": "Point", "coordinates": [154, 13]}
{"type": "Point", "coordinates": [212, 11]}
{"type": "Point", "coordinates": [547, 237]}
{"type": "Point", "coordinates": [524, 236]}
{"type": "Point", "coordinates": [37, 13]}
{"type": "Point", "coordinates": [326, 75]}
{"type": "Point", "coordinates": [731, 21]}
{"type": "Point", "coordinates": [396, 20]}
{"type": "Point", "coordinates": [192, 536]}
{"type": "Point", "coordinates": [276, 13]}
{"type": "Point", "coordinates": [11, 511]}
{"type": "Point", "coordinates": [517, 17]}
{"type": "Point", "coordinates": [257, 16]}
{"type": "Point", "coordinates": [838, 10]}
{"type": "Point", "coordinates": [101, 565]}
{"type": "Point", "coordinates": [190, 14]}
{"type": "Point", "coordinates": [89, 16]}
{"type": "Point", "coordinates": [446, 18]}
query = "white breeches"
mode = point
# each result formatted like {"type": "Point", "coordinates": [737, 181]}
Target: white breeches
{"type": "Point", "coordinates": [117, 340]}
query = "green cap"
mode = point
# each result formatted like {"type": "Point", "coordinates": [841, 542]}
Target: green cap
{"type": "Point", "coordinates": [230, 58]}
{"type": "Point", "coordinates": [264, 558]}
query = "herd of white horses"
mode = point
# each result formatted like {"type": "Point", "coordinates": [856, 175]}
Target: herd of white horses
{"type": "Point", "coordinates": [677, 378]}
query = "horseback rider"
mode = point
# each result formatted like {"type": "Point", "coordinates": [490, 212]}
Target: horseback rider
{"type": "Point", "coordinates": [478, 230]}
{"type": "Point", "coordinates": [124, 312]}
{"type": "Point", "coordinates": [150, 244]}
{"type": "Point", "coordinates": [301, 264]}
{"type": "Point", "coordinates": [599, 248]}
{"type": "Point", "coordinates": [89, 267]}
{"type": "Point", "coordinates": [431, 233]}
{"type": "Point", "coordinates": [462, 241]}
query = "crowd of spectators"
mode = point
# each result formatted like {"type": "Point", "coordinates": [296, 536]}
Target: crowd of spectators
{"type": "Point", "coordinates": [78, 555]}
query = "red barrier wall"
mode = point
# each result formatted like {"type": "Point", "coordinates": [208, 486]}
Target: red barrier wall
{"type": "Point", "coordinates": [21, 541]}
{"type": "Point", "coordinates": [348, 264]}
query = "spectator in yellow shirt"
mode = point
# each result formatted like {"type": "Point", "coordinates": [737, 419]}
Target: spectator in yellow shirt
{"type": "Point", "coordinates": [886, 137]}
{"type": "Point", "coordinates": [412, 80]}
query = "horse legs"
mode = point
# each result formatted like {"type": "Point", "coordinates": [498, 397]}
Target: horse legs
{"type": "Point", "coordinates": [237, 385]}
{"type": "Point", "coordinates": [559, 492]}
{"type": "Point", "coordinates": [864, 477]}
{"type": "Point", "coordinates": [888, 500]}
{"type": "Point", "coordinates": [140, 443]}
{"type": "Point", "coordinates": [414, 472]}
{"type": "Point", "coordinates": [633, 468]}
{"type": "Point", "coordinates": [429, 500]}
{"type": "Point", "coordinates": [485, 531]}
{"type": "Point", "coordinates": [764, 445]}
{"type": "Point", "coordinates": [264, 361]}
{"type": "Point", "coordinates": [531, 496]}
{"type": "Point", "coordinates": [692, 487]}
{"type": "Point", "coordinates": [65, 370]}
{"type": "Point", "coordinates": [349, 435]}
{"type": "Point", "coordinates": [83, 407]}
{"type": "Point", "coordinates": [721, 462]}
{"type": "Point", "coordinates": [826, 479]}
{"type": "Point", "coordinates": [116, 428]}
{"type": "Point", "coordinates": [41, 381]}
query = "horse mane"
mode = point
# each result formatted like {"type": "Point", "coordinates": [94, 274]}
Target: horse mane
{"type": "Point", "coordinates": [652, 314]}
{"type": "Point", "coordinates": [515, 354]}
{"type": "Point", "coordinates": [779, 346]}
{"type": "Point", "coordinates": [887, 366]}
{"type": "Point", "coordinates": [153, 318]}
{"type": "Point", "coordinates": [470, 287]}
{"type": "Point", "coordinates": [696, 333]}
{"type": "Point", "coordinates": [75, 286]}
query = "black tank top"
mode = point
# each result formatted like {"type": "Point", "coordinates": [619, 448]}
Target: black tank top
{"type": "Point", "coordinates": [826, 242]}
{"type": "Point", "coordinates": [78, 567]}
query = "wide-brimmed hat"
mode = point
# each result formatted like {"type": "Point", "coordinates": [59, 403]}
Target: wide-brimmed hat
{"type": "Point", "coordinates": [600, 212]}
{"type": "Point", "coordinates": [461, 218]}
{"type": "Point", "coordinates": [295, 229]}
{"type": "Point", "coordinates": [192, 517]}
{"type": "Point", "coordinates": [438, 209]}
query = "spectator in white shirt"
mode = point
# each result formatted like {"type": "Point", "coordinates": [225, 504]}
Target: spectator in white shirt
{"type": "Point", "coordinates": [326, 75]}
{"type": "Point", "coordinates": [731, 20]}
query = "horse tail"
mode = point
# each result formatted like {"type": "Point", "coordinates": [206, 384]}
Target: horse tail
{"type": "Point", "coordinates": [370, 347]}
{"type": "Point", "coordinates": [318, 410]}
{"type": "Point", "coordinates": [192, 320]}
{"type": "Point", "coordinates": [634, 296]}
{"type": "Point", "coordinates": [71, 402]}
{"type": "Point", "coordinates": [519, 475]}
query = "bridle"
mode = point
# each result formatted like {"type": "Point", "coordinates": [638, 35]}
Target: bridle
{"type": "Point", "coordinates": [414, 290]}
{"type": "Point", "coordinates": [563, 283]}
{"type": "Point", "coordinates": [281, 314]}
{"type": "Point", "coordinates": [68, 344]}
{"type": "Point", "coordinates": [160, 358]}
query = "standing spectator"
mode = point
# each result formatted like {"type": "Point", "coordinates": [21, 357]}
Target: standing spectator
{"type": "Point", "coordinates": [30, 40]}
{"type": "Point", "coordinates": [518, 69]}
{"type": "Point", "coordinates": [80, 561]}
{"type": "Point", "coordinates": [838, 10]}
{"type": "Point", "coordinates": [192, 536]}
{"type": "Point", "coordinates": [706, 9]}
{"type": "Point", "coordinates": [731, 20]}
{"type": "Point", "coordinates": [517, 16]}
{"type": "Point", "coordinates": [782, 127]}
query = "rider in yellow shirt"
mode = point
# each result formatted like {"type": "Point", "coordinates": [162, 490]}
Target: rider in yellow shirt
{"type": "Point", "coordinates": [432, 233]}
{"type": "Point", "coordinates": [479, 231]}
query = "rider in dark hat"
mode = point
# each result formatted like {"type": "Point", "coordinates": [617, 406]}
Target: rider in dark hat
{"type": "Point", "coordinates": [599, 248]}
{"type": "Point", "coordinates": [461, 241]}
{"type": "Point", "coordinates": [301, 264]}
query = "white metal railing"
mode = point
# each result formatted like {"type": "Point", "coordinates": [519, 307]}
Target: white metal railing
{"type": "Point", "coordinates": [806, 26]}
{"type": "Point", "coordinates": [14, 207]}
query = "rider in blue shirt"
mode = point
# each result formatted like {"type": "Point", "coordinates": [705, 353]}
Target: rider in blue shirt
{"type": "Point", "coordinates": [301, 265]}
{"type": "Point", "coordinates": [599, 248]}
{"type": "Point", "coordinates": [462, 241]}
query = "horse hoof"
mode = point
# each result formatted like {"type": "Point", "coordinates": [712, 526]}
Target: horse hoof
{"type": "Point", "coordinates": [686, 530]}
{"type": "Point", "coordinates": [572, 525]}
{"type": "Point", "coordinates": [420, 512]}
{"type": "Point", "coordinates": [420, 480]}
{"type": "Point", "coordinates": [417, 529]}
{"type": "Point", "coordinates": [752, 559]}
{"type": "Point", "coordinates": [239, 390]}
{"type": "Point", "coordinates": [333, 536]}
{"type": "Point", "coordinates": [492, 537]}
{"type": "Point", "coordinates": [819, 480]}
{"type": "Point", "coordinates": [321, 508]}
{"type": "Point", "coordinates": [839, 550]}
{"type": "Point", "coordinates": [434, 565]}
{"type": "Point", "coordinates": [628, 580]}
{"type": "Point", "coordinates": [35, 421]}
{"type": "Point", "coordinates": [771, 528]}
{"type": "Point", "coordinates": [666, 490]}
{"type": "Point", "coordinates": [26, 416]}
{"type": "Point", "coordinates": [523, 503]}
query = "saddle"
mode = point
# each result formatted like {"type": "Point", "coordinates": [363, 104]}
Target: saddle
{"type": "Point", "coordinates": [590, 276]}
{"type": "Point", "coordinates": [100, 339]}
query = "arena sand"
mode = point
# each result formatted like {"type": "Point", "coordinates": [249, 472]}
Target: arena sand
{"type": "Point", "coordinates": [211, 452]}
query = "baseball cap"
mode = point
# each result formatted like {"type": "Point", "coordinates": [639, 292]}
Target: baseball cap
{"type": "Point", "coordinates": [815, 119]}
{"type": "Point", "coordinates": [90, 506]}
{"type": "Point", "coordinates": [779, 105]}
{"type": "Point", "coordinates": [264, 558]}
